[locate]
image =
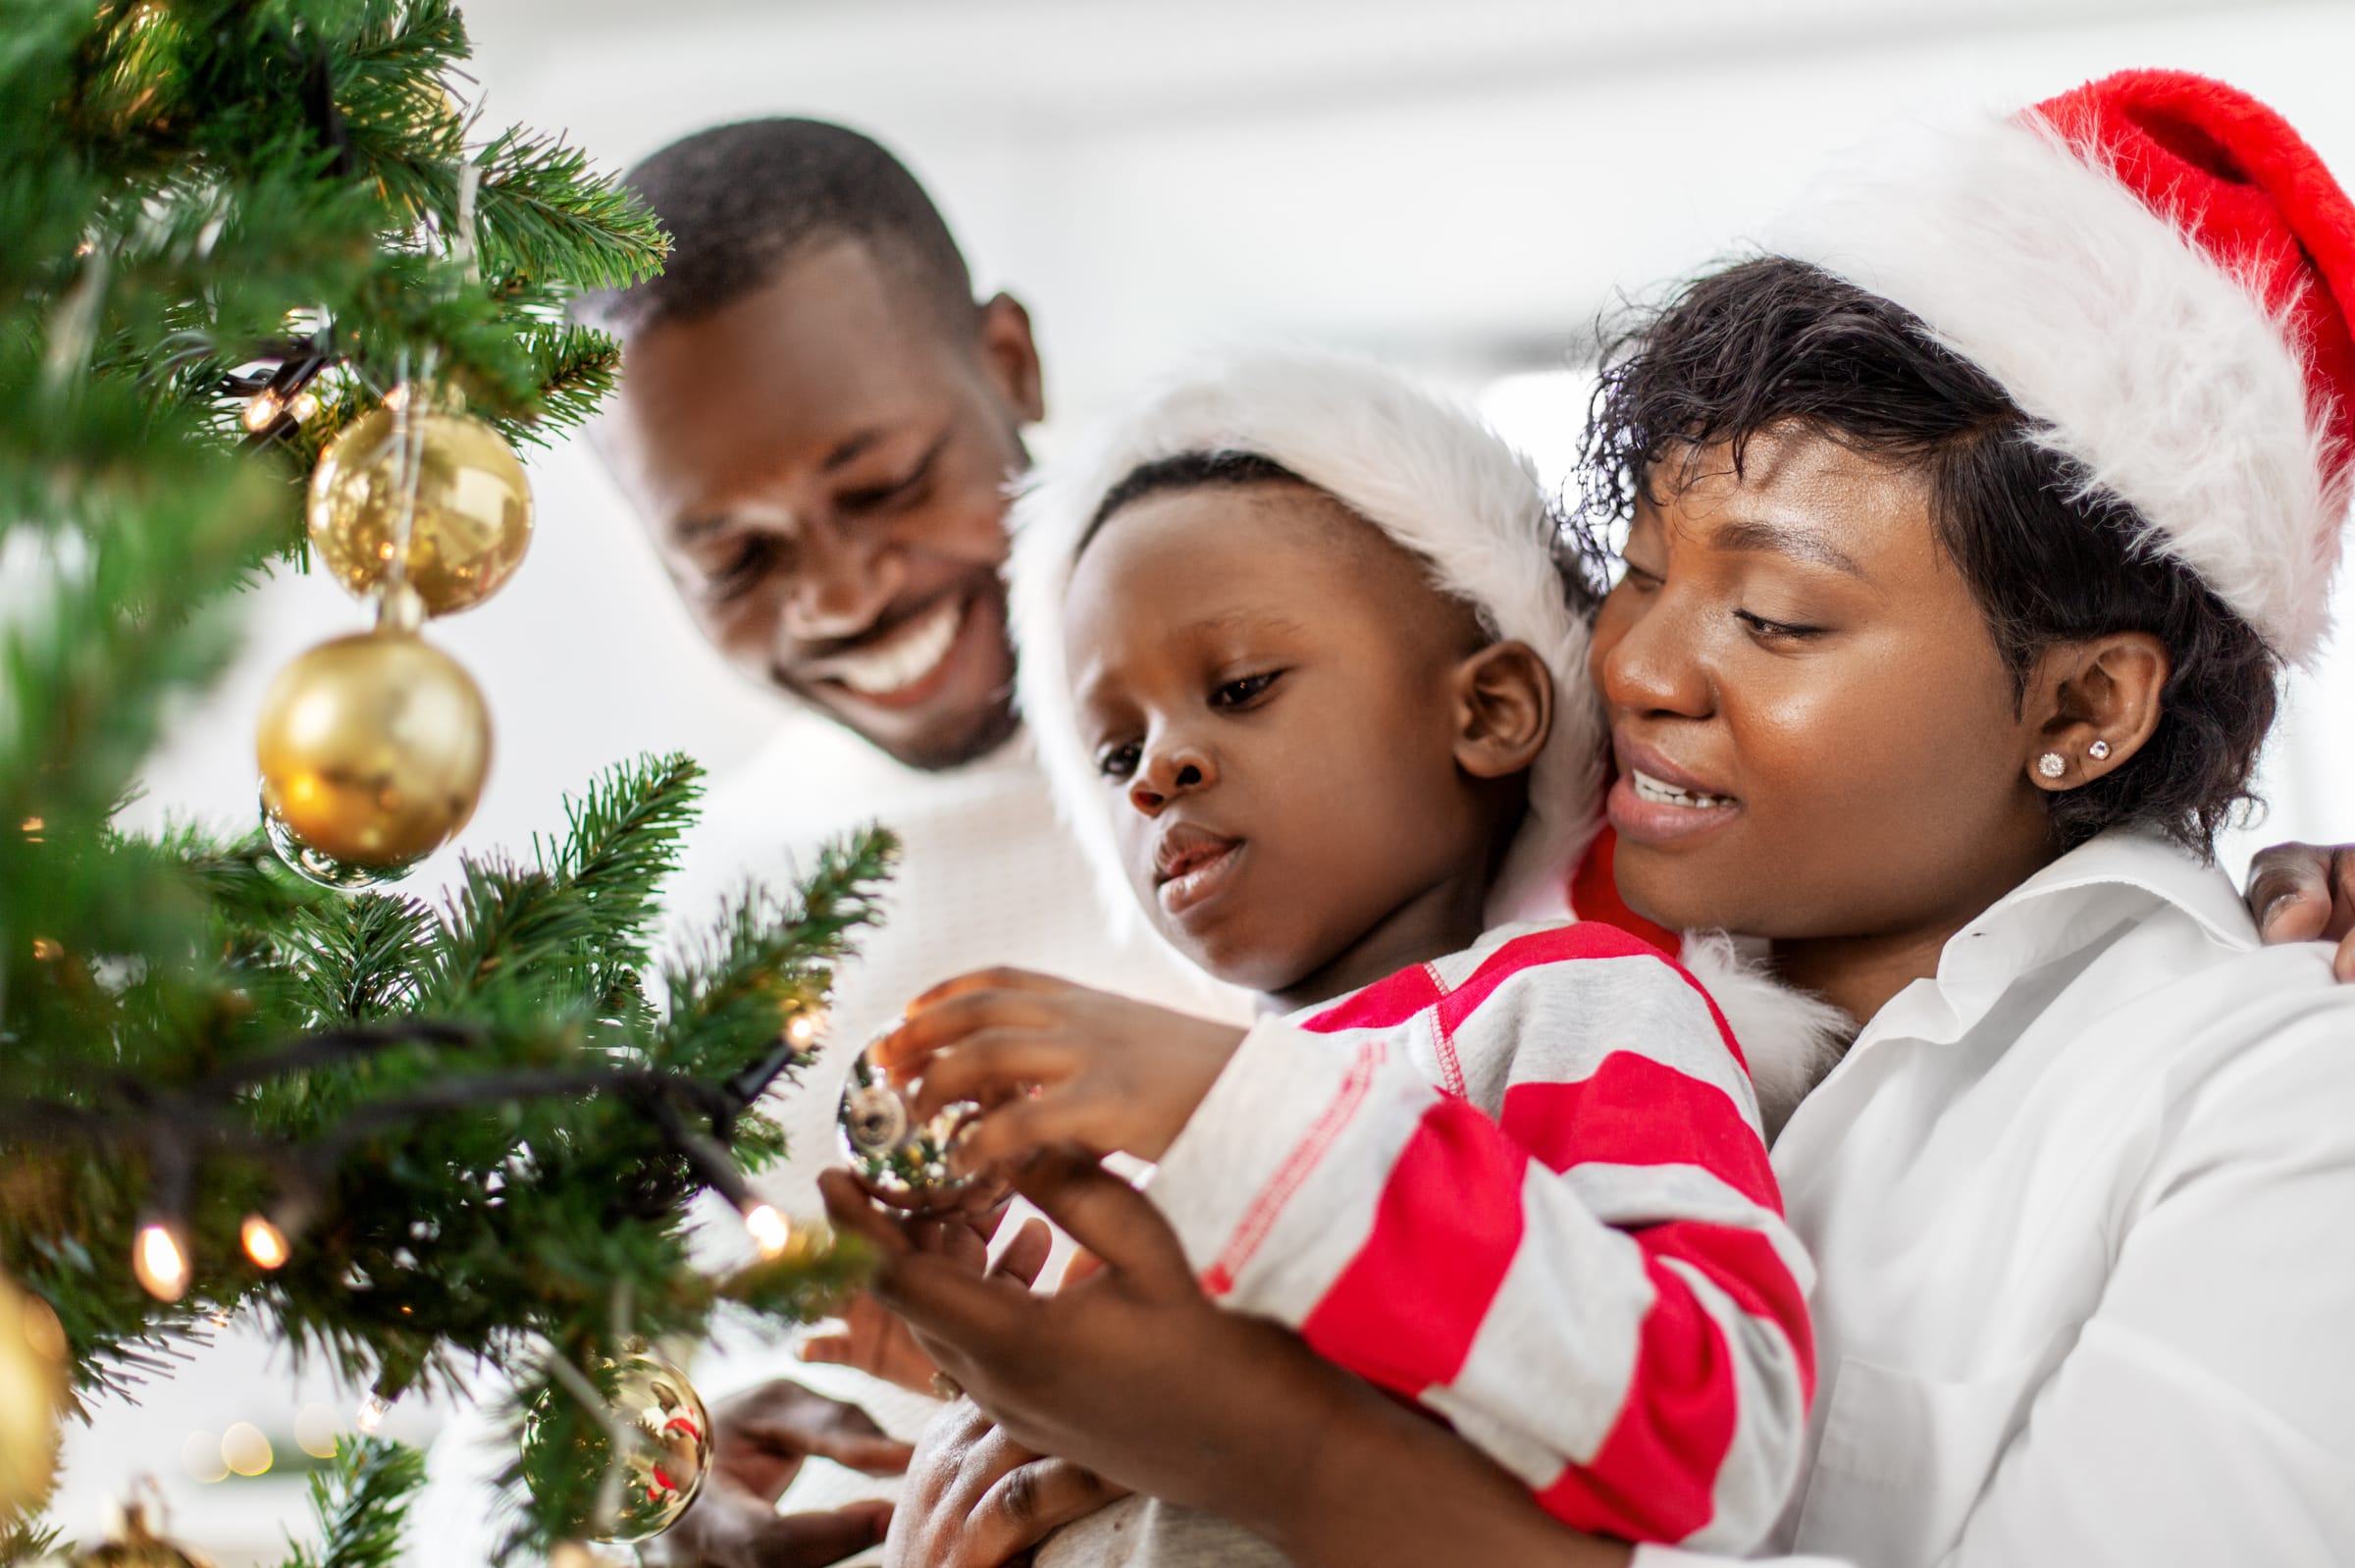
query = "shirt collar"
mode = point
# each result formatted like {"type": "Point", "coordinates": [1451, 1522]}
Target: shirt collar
{"type": "Point", "coordinates": [2120, 876]}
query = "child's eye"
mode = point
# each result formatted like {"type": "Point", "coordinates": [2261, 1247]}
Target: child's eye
{"type": "Point", "coordinates": [1242, 693]}
{"type": "Point", "coordinates": [1118, 761]}
{"type": "Point", "coordinates": [1776, 631]}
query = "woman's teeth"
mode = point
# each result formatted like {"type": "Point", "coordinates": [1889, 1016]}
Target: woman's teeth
{"type": "Point", "coordinates": [904, 657]}
{"type": "Point", "coordinates": [1651, 789]}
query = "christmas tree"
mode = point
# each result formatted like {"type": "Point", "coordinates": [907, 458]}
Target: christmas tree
{"type": "Point", "coordinates": [270, 293]}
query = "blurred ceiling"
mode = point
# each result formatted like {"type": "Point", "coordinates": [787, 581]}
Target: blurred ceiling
{"type": "Point", "coordinates": [1130, 61]}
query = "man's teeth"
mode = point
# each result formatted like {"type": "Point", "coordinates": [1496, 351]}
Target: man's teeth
{"type": "Point", "coordinates": [904, 657]}
{"type": "Point", "coordinates": [1649, 788]}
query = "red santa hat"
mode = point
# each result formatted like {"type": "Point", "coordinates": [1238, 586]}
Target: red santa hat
{"type": "Point", "coordinates": [1427, 472]}
{"type": "Point", "coordinates": [2156, 267]}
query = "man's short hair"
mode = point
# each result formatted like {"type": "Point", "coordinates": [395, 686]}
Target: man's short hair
{"type": "Point", "coordinates": [741, 201]}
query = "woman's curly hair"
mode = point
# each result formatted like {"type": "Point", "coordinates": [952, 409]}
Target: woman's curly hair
{"type": "Point", "coordinates": [1773, 343]}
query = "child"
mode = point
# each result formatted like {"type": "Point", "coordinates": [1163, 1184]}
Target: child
{"type": "Point", "coordinates": [1299, 683]}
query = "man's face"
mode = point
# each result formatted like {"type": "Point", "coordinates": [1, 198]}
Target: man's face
{"type": "Point", "coordinates": [822, 465]}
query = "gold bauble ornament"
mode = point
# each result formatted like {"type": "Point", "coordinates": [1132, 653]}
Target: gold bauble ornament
{"type": "Point", "coordinates": [665, 1442]}
{"type": "Point", "coordinates": [134, 1545]}
{"type": "Point", "coordinates": [32, 1394]}
{"type": "Point", "coordinates": [473, 516]}
{"type": "Point", "coordinates": [373, 747]}
{"type": "Point", "coordinates": [345, 876]}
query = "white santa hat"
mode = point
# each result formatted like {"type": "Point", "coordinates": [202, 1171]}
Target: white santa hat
{"type": "Point", "coordinates": [1436, 480]}
{"type": "Point", "coordinates": [1428, 473]}
{"type": "Point", "coordinates": [2156, 267]}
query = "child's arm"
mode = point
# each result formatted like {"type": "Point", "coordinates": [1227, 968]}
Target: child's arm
{"type": "Point", "coordinates": [1598, 1291]}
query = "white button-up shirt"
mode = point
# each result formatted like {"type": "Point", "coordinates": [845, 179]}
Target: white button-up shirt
{"type": "Point", "coordinates": [2082, 1209]}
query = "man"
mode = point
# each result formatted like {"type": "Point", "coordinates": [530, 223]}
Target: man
{"type": "Point", "coordinates": [817, 424]}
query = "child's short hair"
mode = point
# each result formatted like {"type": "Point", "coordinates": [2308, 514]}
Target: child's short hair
{"type": "Point", "coordinates": [1426, 472]}
{"type": "Point", "coordinates": [2049, 556]}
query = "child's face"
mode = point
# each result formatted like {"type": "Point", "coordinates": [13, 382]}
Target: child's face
{"type": "Point", "coordinates": [1271, 689]}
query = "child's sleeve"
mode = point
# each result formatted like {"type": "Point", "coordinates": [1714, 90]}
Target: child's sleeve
{"type": "Point", "coordinates": [1596, 1289]}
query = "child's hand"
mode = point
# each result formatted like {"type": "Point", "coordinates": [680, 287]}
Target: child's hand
{"type": "Point", "coordinates": [1053, 1063]}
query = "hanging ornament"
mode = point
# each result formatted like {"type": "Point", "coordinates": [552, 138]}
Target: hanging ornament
{"type": "Point", "coordinates": [473, 518]}
{"type": "Point", "coordinates": [134, 1545]}
{"type": "Point", "coordinates": [373, 749]}
{"type": "Point", "coordinates": [900, 1159]}
{"type": "Point", "coordinates": [345, 876]}
{"type": "Point", "coordinates": [32, 1394]}
{"type": "Point", "coordinates": [665, 1442]}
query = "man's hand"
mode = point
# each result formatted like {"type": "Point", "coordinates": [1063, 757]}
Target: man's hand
{"type": "Point", "coordinates": [977, 1498]}
{"type": "Point", "coordinates": [2304, 893]}
{"type": "Point", "coordinates": [873, 1339]}
{"type": "Point", "coordinates": [761, 1437]}
{"type": "Point", "coordinates": [1053, 1062]}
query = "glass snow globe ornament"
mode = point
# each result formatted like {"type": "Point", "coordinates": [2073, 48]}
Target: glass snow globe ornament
{"type": "Point", "coordinates": [900, 1158]}
{"type": "Point", "coordinates": [664, 1435]}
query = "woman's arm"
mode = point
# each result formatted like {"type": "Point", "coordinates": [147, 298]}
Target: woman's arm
{"type": "Point", "coordinates": [1135, 1374]}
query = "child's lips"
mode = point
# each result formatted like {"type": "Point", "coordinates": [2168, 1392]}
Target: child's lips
{"type": "Point", "coordinates": [1198, 873]}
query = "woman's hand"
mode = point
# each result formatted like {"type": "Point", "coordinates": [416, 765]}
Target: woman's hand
{"type": "Point", "coordinates": [975, 1498]}
{"type": "Point", "coordinates": [2306, 892]}
{"type": "Point", "coordinates": [1055, 1062]}
{"type": "Point", "coordinates": [1132, 1373]}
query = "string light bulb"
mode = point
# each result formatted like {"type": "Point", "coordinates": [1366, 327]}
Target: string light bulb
{"type": "Point", "coordinates": [265, 1244]}
{"type": "Point", "coordinates": [804, 1026]}
{"type": "Point", "coordinates": [262, 410]}
{"type": "Point", "coordinates": [159, 1257]}
{"type": "Point", "coordinates": [304, 405]}
{"type": "Point", "coordinates": [769, 1230]}
{"type": "Point", "coordinates": [372, 1414]}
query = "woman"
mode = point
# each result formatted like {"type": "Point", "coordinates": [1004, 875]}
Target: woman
{"type": "Point", "coordinates": [1968, 533]}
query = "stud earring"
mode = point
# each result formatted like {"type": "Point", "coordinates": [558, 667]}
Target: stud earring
{"type": "Point", "coordinates": [2050, 764]}
{"type": "Point", "coordinates": [2098, 750]}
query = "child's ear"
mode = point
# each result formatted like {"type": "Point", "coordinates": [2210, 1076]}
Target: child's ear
{"type": "Point", "coordinates": [1505, 710]}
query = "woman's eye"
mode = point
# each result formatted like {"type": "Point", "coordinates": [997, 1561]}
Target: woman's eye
{"type": "Point", "coordinates": [1118, 761]}
{"type": "Point", "coordinates": [1244, 691]}
{"type": "Point", "coordinates": [1637, 578]}
{"type": "Point", "coordinates": [1776, 631]}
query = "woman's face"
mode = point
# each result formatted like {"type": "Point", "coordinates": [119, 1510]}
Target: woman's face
{"type": "Point", "coordinates": [1814, 732]}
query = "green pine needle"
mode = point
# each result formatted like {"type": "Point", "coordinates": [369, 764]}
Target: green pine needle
{"type": "Point", "coordinates": [361, 1499]}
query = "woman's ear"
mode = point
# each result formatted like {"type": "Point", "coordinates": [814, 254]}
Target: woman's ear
{"type": "Point", "coordinates": [1505, 710]}
{"type": "Point", "coordinates": [2091, 704]}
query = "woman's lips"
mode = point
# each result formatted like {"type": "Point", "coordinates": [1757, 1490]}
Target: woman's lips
{"type": "Point", "coordinates": [1197, 875]}
{"type": "Point", "coordinates": [1649, 809]}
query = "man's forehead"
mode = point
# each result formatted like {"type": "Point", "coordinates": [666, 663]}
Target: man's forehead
{"type": "Point", "coordinates": [811, 371]}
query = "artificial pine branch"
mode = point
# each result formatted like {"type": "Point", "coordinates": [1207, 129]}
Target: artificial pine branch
{"type": "Point", "coordinates": [472, 1128]}
{"type": "Point", "coordinates": [361, 1500]}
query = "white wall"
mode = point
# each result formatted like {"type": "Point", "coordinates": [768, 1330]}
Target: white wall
{"type": "Point", "coordinates": [1458, 184]}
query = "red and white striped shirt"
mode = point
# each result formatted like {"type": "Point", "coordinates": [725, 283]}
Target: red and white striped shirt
{"type": "Point", "coordinates": [1524, 1185]}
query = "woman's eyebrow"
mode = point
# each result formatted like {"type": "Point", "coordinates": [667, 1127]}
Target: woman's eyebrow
{"type": "Point", "coordinates": [1781, 538]}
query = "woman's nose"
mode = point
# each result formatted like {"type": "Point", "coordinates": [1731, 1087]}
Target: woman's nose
{"type": "Point", "coordinates": [1652, 661]}
{"type": "Point", "coordinates": [1168, 772]}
